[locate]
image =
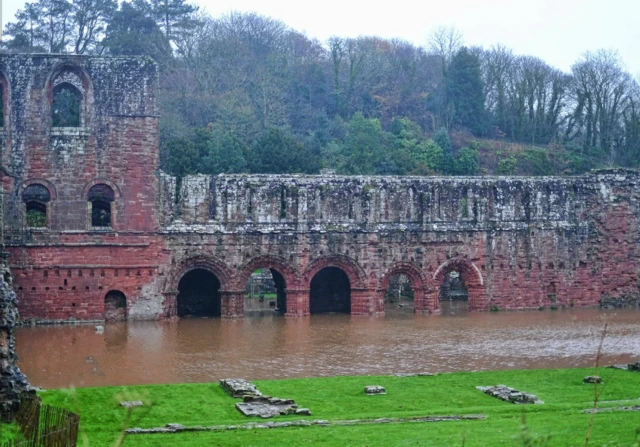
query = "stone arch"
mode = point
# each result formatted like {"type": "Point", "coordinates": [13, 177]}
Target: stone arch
{"type": "Point", "coordinates": [97, 181]}
{"type": "Point", "coordinates": [355, 273]}
{"type": "Point", "coordinates": [203, 262]}
{"type": "Point", "coordinates": [414, 273]}
{"type": "Point", "coordinates": [472, 278]}
{"type": "Point", "coordinates": [277, 263]}
{"type": "Point", "coordinates": [416, 277]}
{"type": "Point", "coordinates": [40, 181]}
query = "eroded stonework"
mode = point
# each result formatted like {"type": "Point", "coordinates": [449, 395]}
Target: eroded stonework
{"type": "Point", "coordinates": [518, 243]}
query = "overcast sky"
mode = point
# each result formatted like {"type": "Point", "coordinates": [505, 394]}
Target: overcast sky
{"type": "Point", "coordinates": [558, 31]}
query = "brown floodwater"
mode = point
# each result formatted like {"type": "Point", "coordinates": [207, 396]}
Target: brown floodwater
{"type": "Point", "coordinates": [268, 346]}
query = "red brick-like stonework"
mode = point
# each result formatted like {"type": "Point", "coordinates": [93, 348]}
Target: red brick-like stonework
{"type": "Point", "coordinates": [518, 243]}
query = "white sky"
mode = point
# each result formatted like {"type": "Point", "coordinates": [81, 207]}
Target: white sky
{"type": "Point", "coordinates": [557, 31]}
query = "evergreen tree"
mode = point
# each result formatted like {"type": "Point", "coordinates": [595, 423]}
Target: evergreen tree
{"type": "Point", "coordinates": [277, 151]}
{"type": "Point", "coordinates": [133, 33]}
{"type": "Point", "coordinates": [174, 17]}
{"type": "Point", "coordinates": [465, 90]}
{"type": "Point", "coordinates": [441, 138]}
{"type": "Point", "coordinates": [225, 153]}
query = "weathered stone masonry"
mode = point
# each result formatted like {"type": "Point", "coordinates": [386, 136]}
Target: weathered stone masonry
{"type": "Point", "coordinates": [517, 242]}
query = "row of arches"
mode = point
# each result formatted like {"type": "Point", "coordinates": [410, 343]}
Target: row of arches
{"type": "Point", "coordinates": [328, 285]}
{"type": "Point", "coordinates": [37, 197]}
{"type": "Point", "coordinates": [68, 92]}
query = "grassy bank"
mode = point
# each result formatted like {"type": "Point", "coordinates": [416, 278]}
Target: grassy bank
{"type": "Point", "coordinates": [341, 398]}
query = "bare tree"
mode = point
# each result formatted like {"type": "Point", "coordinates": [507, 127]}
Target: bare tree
{"type": "Point", "coordinates": [445, 42]}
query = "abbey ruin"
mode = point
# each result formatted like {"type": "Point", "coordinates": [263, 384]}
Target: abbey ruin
{"type": "Point", "coordinates": [94, 227]}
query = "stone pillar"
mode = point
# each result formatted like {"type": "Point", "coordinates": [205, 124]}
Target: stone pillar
{"type": "Point", "coordinates": [426, 301]}
{"type": "Point", "coordinates": [379, 302]}
{"type": "Point", "coordinates": [232, 304]}
{"type": "Point", "coordinates": [170, 305]}
{"type": "Point", "coordinates": [12, 381]}
{"type": "Point", "coordinates": [363, 302]}
{"type": "Point", "coordinates": [297, 302]}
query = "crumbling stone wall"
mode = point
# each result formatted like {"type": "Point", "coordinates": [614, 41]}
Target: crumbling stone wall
{"type": "Point", "coordinates": [12, 381]}
{"type": "Point", "coordinates": [517, 242]}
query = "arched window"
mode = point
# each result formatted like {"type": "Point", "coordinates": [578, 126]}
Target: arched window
{"type": "Point", "coordinates": [36, 197]}
{"type": "Point", "coordinates": [101, 197]}
{"type": "Point", "coordinates": [67, 102]}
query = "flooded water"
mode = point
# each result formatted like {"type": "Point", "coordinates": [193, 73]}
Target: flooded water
{"type": "Point", "coordinates": [268, 346]}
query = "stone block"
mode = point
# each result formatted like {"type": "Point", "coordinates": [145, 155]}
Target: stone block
{"type": "Point", "coordinates": [374, 390]}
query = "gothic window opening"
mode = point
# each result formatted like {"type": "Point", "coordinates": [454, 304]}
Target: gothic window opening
{"type": "Point", "coordinates": [101, 197]}
{"type": "Point", "coordinates": [66, 108]}
{"type": "Point", "coordinates": [36, 197]}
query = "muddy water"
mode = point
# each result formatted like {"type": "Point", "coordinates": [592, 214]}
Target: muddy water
{"type": "Point", "coordinates": [265, 345]}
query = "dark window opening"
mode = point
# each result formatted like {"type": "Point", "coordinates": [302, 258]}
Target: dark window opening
{"type": "Point", "coordinates": [101, 196]}
{"type": "Point", "coordinates": [67, 100]}
{"type": "Point", "coordinates": [100, 214]}
{"type": "Point", "coordinates": [115, 306]}
{"type": "Point", "coordinates": [36, 197]}
{"type": "Point", "coordinates": [399, 293]}
{"type": "Point", "coordinates": [265, 291]}
{"type": "Point", "coordinates": [199, 294]}
{"type": "Point", "coordinates": [36, 215]}
{"type": "Point", "coordinates": [330, 291]}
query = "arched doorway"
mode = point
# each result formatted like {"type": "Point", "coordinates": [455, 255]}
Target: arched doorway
{"type": "Point", "coordinates": [453, 293]}
{"type": "Point", "coordinates": [115, 306]}
{"type": "Point", "coordinates": [399, 292]}
{"type": "Point", "coordinates": [330, 291]}
{"type": "Point", "coordinates": [199, 294]}
{"type": "Point", "coordinates": [265, 290]}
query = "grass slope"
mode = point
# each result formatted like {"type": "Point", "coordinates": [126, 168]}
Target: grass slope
{"type": "Point", "coordinates": [102, 419]}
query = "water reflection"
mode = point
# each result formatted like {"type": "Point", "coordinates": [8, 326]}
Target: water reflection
{"type": "Point", "coordinates": [267, 345]}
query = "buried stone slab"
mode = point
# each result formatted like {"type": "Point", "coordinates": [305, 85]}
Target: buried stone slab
{"type": "Point", "coordinates": [268, 407]}
{"type": "Point", "coordinates": [178, 428]}
{"type": "Point", "coordinates": [627, 367]}
{"type": "Point", "coordinates": [510, 394]}
{"type": "Point", "coordinates": [592, 379]}
{"type": "Point", "coordinates": [131, 403]}
{"type": "Point", "coordinates": [372, 390]}
{"type": "Point", "coordinates": [239, 387]}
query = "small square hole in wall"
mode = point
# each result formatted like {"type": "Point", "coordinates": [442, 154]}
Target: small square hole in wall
{"type": "Point", "coordinates": [99, 287]}
{"type": "Point", "coordinates": [60, 288]}
{"type": "Point", "coordinates": [73, 288]}
{"type": "Point", "coordinates": [19, 288]}
{"type": "Point", "coordinates": [46, 288]}
{"type": "Point", "coordinates": [33, 288]}
{"type": "Point", "coordinates": [86, 288]}
{"type": "Point", "coordinates": [73, 304]}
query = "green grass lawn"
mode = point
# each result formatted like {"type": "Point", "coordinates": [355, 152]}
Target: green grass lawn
{"type": "Point", "coordinates": [340, 398]}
